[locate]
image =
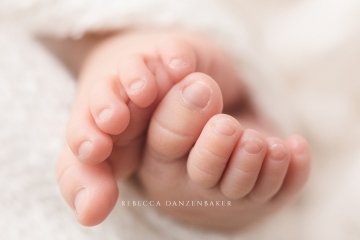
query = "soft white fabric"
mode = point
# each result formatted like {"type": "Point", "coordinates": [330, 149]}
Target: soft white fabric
{"type": "Point", "coordinates": [300, 58]}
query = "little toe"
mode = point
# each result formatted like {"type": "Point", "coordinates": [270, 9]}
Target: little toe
{"type": "Point", "coordinates": [272, 172]}
{"type": "Point", "coordinates": [87, 142]}
{"type": "Point", "coordinates": [299, 168]}
{"type": "Point", "coordinates": [178, 57]}
{"type": "Point", "coordinates": [209, 157]}
{"type": "Point", "coordinates": [108, 107]}
{"type": "Point", "coordinates": [137, 80]}
{"type": "Point", "coordinates": [90, 190]}
{"type": "Point", "coordinates": [181, 115]}
{"type": "Point", "coordinates": [244, 165]}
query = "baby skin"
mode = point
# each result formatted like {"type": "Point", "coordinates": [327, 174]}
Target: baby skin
{"type": "Point", "coordinates": [168, 109]}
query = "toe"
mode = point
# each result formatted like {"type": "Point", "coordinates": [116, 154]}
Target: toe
{"type": "Point", "coordinates": [87, 142]}
{"type": "Point", "coordinates": [180, 117]}
{"type": "Point", "coordinates": [178, 57]}
{"type": "Point", "coordinates": [90, 190]}
{"type": "Point", "coordinates": [209, 157]}
{"type": "Point", "coordinates": [108, 107]}
{"type": "Point", "coordinates": [299, 168]}
{"type": "Point", "coordinates": [272, 172]}
{"type": "Point", "coordinates": [137, 80]}
{"type": "Point", "coordinates": [244, 165]}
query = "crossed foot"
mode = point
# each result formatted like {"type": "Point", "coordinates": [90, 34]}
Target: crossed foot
{"type": "Point", "coordinates": [160, 118]}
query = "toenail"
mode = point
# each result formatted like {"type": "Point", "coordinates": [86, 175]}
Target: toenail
{"type": "Point", "coordinates": [177, 63]}
{"type": "Point", "coordinates": [105, 115]}
{"type": "Point", "coordinates": [79, 200]}
{"type": "Point", "coordinates": [253, 145]}
{"type": "Point", "coordinates": [84, 150]}
{"type": "Point", "coordinates": [197, 94]}
{"type": "Point", "coordinates": [300, 149]}
{"type": "Point", "coordinates": [137, 86]}
{"type": "Point", "coordinates": [224, 126]}
{"type": "Point", "coordinates": [302, 153]}
{"type": "Point", "coordinates": [278, 152]}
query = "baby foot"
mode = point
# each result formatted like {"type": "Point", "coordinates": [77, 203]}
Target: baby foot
{"type": "Point", "coordinates": [194, 154]}
{"type": "Point", "coordinates": [188, 139]}
{"type": "Point", "coordinates": [108, 126]}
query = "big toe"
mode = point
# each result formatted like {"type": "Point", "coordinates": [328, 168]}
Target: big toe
{"type": "Point", "coordinates": [181, 116]}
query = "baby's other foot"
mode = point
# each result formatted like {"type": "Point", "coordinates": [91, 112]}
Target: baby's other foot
{"type": "Point", "coordinates": [195, 155]}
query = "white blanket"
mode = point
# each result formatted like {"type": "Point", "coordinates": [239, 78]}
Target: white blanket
{"type": "Point", "coordinates": [300, 57]}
